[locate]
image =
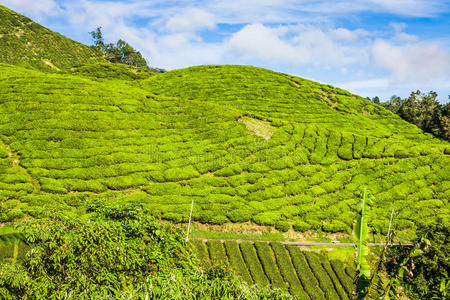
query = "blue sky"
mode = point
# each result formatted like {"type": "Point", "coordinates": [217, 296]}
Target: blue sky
{"type": "Point", "coordinates": [370, 47]}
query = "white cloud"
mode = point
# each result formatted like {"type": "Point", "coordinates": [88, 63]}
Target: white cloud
{"type": "Point", "coordinates": [378, 83]}
{"type": "Point", "coordinates": [403, 37]}
{"type": "Point", "coordinates": [257, 40]}
{"type": "Point", "coordinates": [415, 8]}
{"type": "Point", "coordinates": [413, 61]}
{"type": "Point", "coordinates": [344, 34]}
{"type": "Point", "coordinates": [191, 19]}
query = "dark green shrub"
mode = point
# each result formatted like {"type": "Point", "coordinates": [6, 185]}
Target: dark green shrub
{"type": "Point", "coordinates": [301, 226]}
{"type": "Point", "coordinates": [325, 283]}
{"type": "Point", "coordinates": [345, 280]}
{"type": "Point", "coordinates": [240, 215]}
{"type": "Point", "coordinates": [282, 226]}
{"type": "Point", "coordinates": [266, 257]}
{"type": "Point", "coordinates": [253, 264]}
{"type": "Point", "coordinates": [217, 252]}
{"type": "Point", "coordinates": [309, 282]}
{"type": "Point", "coordinates": [287, 270]}
{"type": "Point", "coordinates": [236, 260]}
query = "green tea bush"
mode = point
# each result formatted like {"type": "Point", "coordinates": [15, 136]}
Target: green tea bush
{"type": "Point", "coordinates": [309, 282]}
{"type": "Point", "coordinates": [240, 215]}
{"type": "Point", "coordinates": [325, 283]}
{"type": "Point", "coordinates": [337, 284]}
{"type": "Point", "coordinates": [345, 280]}
{"type": "Point", "coordinates": [266, 257]}
{"type": "Point", "coordinates": [217, 252]}
{"type": "Point", "coordinates": [236, 260]}
{"type": "Point", "coordinates": [177, 174]}
{"type": "Point", "coordinates": [252, 261]}
{"type": "Point", "coordinates": [283, 226]}
{"type": "Point", "coordinates": [336, 226]}
{"type": "Point", "coordinates": [287, 270]}
{"type": "Point", "coordinates": [267, 218]}
{"type": "Point", "coordinates": [301, 226]}
{"type": "Point", "coordinates": [202, 250]}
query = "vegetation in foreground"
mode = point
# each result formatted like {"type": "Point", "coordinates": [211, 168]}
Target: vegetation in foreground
{"type": "Point", "coordinates": [118, 252]}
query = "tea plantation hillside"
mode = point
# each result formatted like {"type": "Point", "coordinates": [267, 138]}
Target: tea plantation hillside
{"type": "Point", "coordinates": [26, 43]}
{"type": "Point", "coordinates": [272, 154]}
{"type": "Point", "coordinates": [306, 274]}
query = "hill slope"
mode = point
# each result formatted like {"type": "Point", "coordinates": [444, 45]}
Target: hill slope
{"type": "Point", "coordinates": [26, 43]}
{"type": "Point", "coordinates": [76, 138]}
{"type": "Point", "coordinates": [247, 144]}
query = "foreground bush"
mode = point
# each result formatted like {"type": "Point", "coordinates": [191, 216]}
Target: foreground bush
{"type": "Point", "coordinates": [119, 252]}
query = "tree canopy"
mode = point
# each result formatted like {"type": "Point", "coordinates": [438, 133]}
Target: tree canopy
{"type": "Point", "coordinates": [120, 52]}
{"type": "Point", "coordinates": [423, 110]}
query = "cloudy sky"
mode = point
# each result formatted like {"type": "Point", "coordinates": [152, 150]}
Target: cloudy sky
{"type": "Point", "coordinates": [370, 47]}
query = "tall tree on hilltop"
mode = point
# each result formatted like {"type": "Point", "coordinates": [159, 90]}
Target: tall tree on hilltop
{"type": "Point", "coordinates": [424, 111]}
{"type": "Point", "coordinates": [120, 52]}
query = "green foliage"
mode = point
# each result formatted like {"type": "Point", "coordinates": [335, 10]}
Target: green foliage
{"type": "Point", "coordinates": [118, 132]}
{"type": "Point", "coordinates": [301, 226]}
{"type": "Point", "coordinates": [423, 110]}
{"type": "Point", "coordinates": [120, 52]}
{"type": "Point", "coordinates": [217, 252]}
{"type": "Point", "coordinates": [309, 282]}
{"type": "Point", "coordinates": [266, 257]}
{"type": "Point", "coordinates": [344, 279]}
{"type": "Point", "coordinates": [251, 259]}
{"type": "Point", "coordinates": [105, 70]}
{"type": "Point", "coordinates": [236, 260]}
{"type": "Point", "coordinates": [24, 42]}
{"type": "Point", "coordinates": [117, 247]}
{"type": "Point", "coordinates": [325, 283]}
{"type": "Point", "coordinates": [283, 226]}
{"type": "Point", "coordinates": [337, 284]}
{"type": "Point", "coordinates": [423, 270]}
{"type": "Point", "coordinates": [287, 270]}
{"type": "Point", "coordinates": [361, 233]}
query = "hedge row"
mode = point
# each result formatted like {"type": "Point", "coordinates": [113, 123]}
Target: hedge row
{"type": "Point", "coordinates": [346, 281]}
{"type": "Point", "coordinates": [251, 259]}
{"type": "Point", "coordinates": [236, 260]}
{"type": "Point", "coordinates": [287, 270]}
{"type": "Point", "coordinates": [325, 282]}
{"type": "Point", "coordinates": [307, 278]}
{"type": "Point", "coordinates": [269, 264]}
{"type": "Point", "coordinates": [217, 252]}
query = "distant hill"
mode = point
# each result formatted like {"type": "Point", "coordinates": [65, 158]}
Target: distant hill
{"type": "Point", "coordinates": [248, 145]}
{"type": "Point", "coordinates": [26, 43]}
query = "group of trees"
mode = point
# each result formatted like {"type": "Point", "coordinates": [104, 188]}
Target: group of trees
{"type": "Point", "coordinates": [423, 110]}
{"type": "Point", "coordinates": [120, 52]}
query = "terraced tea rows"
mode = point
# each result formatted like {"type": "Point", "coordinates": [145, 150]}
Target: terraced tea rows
{"type": "Point", "coordinates": [26, 43]}
{"type": "Point", "coordinates": [305, 274]}
{"type": "Point", "coordinates": [71, 138]}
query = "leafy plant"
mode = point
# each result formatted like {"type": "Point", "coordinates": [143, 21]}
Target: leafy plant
{"type": "Point", "coordinates": [361, 233]}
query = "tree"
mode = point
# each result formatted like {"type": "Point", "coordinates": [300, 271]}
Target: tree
{"type": "Point", "coordinates": [97, 36]}
{"type": "Point", "coordinates": [424, 111]}
{"type": "Point", "coordinates": [424, 269]}
{"type": "Point", "coordinates": [120, 52]}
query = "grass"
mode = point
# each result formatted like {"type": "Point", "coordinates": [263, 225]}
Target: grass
{"type": "Point", "coordinates": [258, 127]}
{"type": "Point", "coordinates": [206, 234]}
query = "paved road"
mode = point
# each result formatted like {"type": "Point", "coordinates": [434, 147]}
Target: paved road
{"type": "Point", "coordinates": [309, 244]}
